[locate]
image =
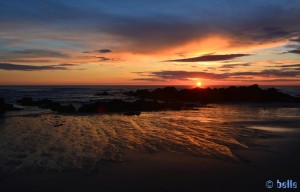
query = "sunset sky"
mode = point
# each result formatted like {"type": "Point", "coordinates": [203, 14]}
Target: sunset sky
{"type": "Point", "coordinates": [143, 42]}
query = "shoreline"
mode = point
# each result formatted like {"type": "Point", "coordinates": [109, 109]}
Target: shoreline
{"type": "Point", "coordinates": [167, 172]}
{"type": "Point", "coordinates": [167, 98]}
{"type": "Point", "coordinates": [160, 151]}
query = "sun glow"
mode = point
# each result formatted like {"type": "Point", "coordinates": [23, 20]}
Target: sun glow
{"type": "Point", "coordinates": [199, 83]}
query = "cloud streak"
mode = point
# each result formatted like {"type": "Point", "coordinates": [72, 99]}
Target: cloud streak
{"type": "Point", "coordinates": [287, 66]}
{"type": "Point", "coordinates": [186, 75]}
{"type": "Point", "coordinates": [31, 55]}
{"type": "Point", "coordinates": [104, 51]}
{"type": "Point", "coordinates": [99, 51]}
{"type": "Point", "coordinates": [207, 58]}
{"type": "Point", "coordinates": [230, 66]}
{"type": "Point", "coordinates": [295, 51]}
{"type": "Point", "coordinates": [17, 67]}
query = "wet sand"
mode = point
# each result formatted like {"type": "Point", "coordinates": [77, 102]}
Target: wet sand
{"type": "Point", "coordinates": [55, 153]}
{"type": "Point", "coordinates": [172, 172]}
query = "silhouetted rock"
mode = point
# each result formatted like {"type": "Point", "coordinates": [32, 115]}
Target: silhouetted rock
{"type": "Point", "coordinates": [2, 101]}
{"type": "Point", "coordinates": [6, 107]}
{"type": "Point", "coordinates": [2, 105]}
{"type": "Point", "coordinates": [251, 93]}
{"type": "Point", "coordinates": [25, 101]}
{"type": "Point", "coordinates": [132, 113]}
{"type": "Point", "coordinates": [117, 105]}
{"type": "Point", "coordinates": [102, 94]}
{"type": "Point", "coordinates": [170, 99]}
{"type": "Point", "coordinates": [47, 104]}
{"type": "Point", "coordinates": [63, 109]}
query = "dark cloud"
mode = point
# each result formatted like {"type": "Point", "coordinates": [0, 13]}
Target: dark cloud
{"type": "Point", "coordinates": [66, 64]}
{"type": "Point", "coordinates": [104, 59]}
{"type": "Point", "coordinates": [146, 26]}
{"type": "Point", "coordinates": [296, 40]}
{"type": "Point", "coordinates": [17, 67]}
{"type": "Point", "coordinates": [271, 80]}
{"type": "Point", "coordinates": [294, 46]}
{"type": "Point", "coordinates": [148, 79]}
{"type": "Point", "coordinates": [209, 58]}
{"type": "Point", "coordinates": [25, 60]}
{"type": "Point", "coordinates": [104, 51]}
{"type": "Point", "coordinates": [10, 56]}
{"type": "Point", "coordinates": [266, 73]}
{"type": "Point", "coordinates": [273, 33]}
{"type": "Point", "coordinates": [185, 75]}
{"type": "Point", "coordinates": [295, 51]}
{"type": "Point", "coordinates": [99, 51]}
{"type": "Point", "coordinates": [38, 53]}
{"type": "Point", "coordinates": [230, 66]}
{"type": "Point", "coordinates": [264, 24]}
{"type": "Point", "coordinates": [114, 59]}
{"type": "Point", "coordinates": [288, 66]}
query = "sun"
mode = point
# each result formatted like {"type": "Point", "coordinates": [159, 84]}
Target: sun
{"type": "Point", "coordinates": [199, 83]}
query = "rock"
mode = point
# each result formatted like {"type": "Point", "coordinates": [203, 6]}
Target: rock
{"type": "Point", "coordinates": [47, 104]}
{"type": "Point", "coordinates": [89, 108]}
{"type": "Point", "coordinates": [128, 108]}
{"type": "Point", "coordinates": [26, 101]}
{"type": "Point", "coordinates": [63, 109]}
{"type": "Point", "coordinates": [1, 101]}
{"type": "Point", "coordinates": [2, 105]}
{"type": "Point", "coordinates": [132, 113]}
{"type": "Point", "coordinates": [102, 94]}
{"type": "Point", "coordinates": [6, 107]}
{"type": "Point", "coordinates": [251, 93]}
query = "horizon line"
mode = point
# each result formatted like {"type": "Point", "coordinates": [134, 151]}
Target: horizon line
{"type": "Point", "coordinates": [168, 85]}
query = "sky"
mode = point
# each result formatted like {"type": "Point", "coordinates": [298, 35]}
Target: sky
{"type": "Point", "coordinates": [143, 42]}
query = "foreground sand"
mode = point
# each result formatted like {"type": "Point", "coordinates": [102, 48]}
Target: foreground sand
{"type": "Point", "coordinates": [201, 150]}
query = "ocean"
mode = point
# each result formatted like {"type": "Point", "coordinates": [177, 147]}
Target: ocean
{"type": "Point", "coordinates": [83, 94]}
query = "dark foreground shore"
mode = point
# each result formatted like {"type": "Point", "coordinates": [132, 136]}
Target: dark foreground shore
{"type": "Point", "coordinates": [174, 172]}
{"type": "Point", "coordinates": [218, 148]}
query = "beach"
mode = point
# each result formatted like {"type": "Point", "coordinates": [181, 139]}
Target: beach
{"type": "Point", "coordinates": [149, 96]}
{"type": "Point", "coordinates": [219, 146]}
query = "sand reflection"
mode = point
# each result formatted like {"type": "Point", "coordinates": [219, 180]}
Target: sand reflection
{"type": "Point", "coordinates": [85, 142]}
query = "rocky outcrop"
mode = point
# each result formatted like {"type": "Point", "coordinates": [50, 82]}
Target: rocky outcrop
{"type": "Point", "coordinates": [6, 107]}
{"type": "Point", "coordinates": [47, 104]}
{"type": "Point", "coordinates": [251, 93]}
{"type": "Point", "coordinates": [130, 108]}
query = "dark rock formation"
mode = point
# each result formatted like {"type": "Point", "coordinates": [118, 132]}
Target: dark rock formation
{"type": "Point", "coordinates": [117, 105]}
{"type": "Point", "coordinates": [102, 94]}
{"type": "Point", "coordinates": [251, 93]}
{"type": "Point", "coordinates": [170, 99]}
{"type": "Point", "coordinates": [2, 105]}
{"type": "Point", "coordinates": [6, 107]}
{"type": "Point", "coordinates": [47, 104]}
{"type": "Point", "coordinates": [132, 113]}
{"type": "Point", "coordinates": [63, 108]}
{"type": "Point", "coordinates": [25, 101]}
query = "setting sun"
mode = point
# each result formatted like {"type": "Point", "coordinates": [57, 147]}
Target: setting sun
{"type": "Point", "coordinates": [199, 83]}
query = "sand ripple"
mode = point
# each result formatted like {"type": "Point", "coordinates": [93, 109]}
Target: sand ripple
{"type": "Point", "coordinates": [86, 142]}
